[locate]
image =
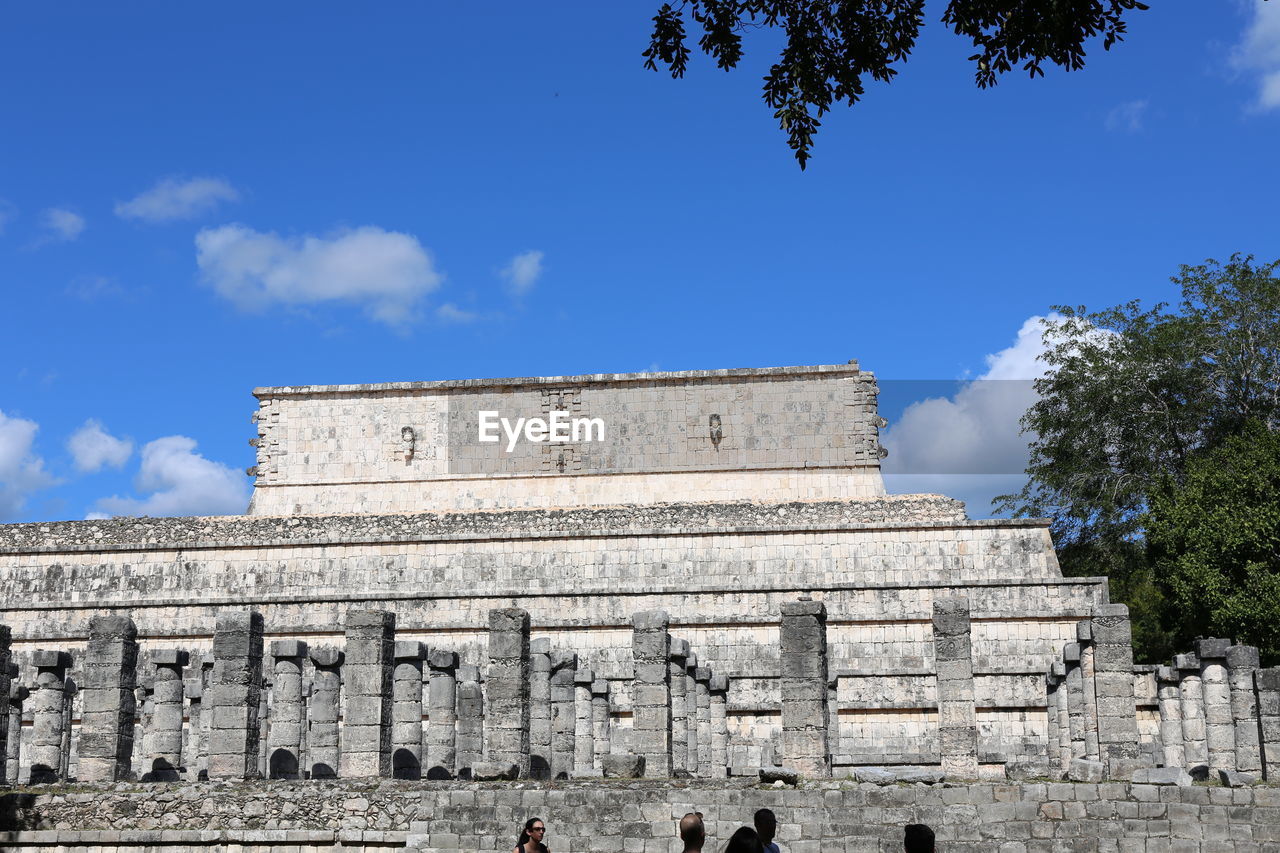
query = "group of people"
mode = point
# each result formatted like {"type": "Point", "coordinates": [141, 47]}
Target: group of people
{"type": "Point", "coordinates": [916, 837]}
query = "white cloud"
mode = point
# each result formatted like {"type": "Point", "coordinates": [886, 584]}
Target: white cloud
{"type": "Point", "coordinates": [1258, 52]}
{"type": "Point", "coordinates": [172, 199]}
{"type": "Point", "coordinates": [181, 482]}
{"type": "Point", "coordinates": [523, 272]}
{"type": "Point", "coordinates": [62, 225]}
{"type": "Point", "coordinates": [21, 470]}
{"type": "Point", "coordinates": [450, 313]}
{"type": "Point", "coordinates": [93, 448]}
{"type": "Point", "coordinates": [969, 445]}
{"type": "Point", "coordinates": [386, 271]}
{"type": "Point", "coordinates": [1128, 116]}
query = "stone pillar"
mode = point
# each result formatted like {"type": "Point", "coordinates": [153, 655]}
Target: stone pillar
{"type": "Point", "coordinates": [197, 760]}
{"type": "Point", "coordinates": [540, 708]}
{"type": "Point", "coordinates": [803, 669]}
{"type": "Point", "coordinates": [1117, 713]}
{"type": "Point", "coordinates": [106, 724]}
{"type": "Point", "coordinates": [1089, 684]}
{"type": "Point", "coordinates": [366, 724]}
{"type": "Point", "coordinates": [1170, 717]}
{"type": "Point", "coordinates": [70, 693]}
{"type": "Point", "coordinates": [164, 750]}
{"type": "Point", "coordinates": [13, 747]}
{"type": "Point", "coordinates": [1058, 671]}
{"type": "Point", "coordinates": [506, 719]}
{"type": "Point", "coordinates": [1075, 698]}
{"type": "Point", "coordinates": [264, 721]}
{"type": "Point", "coordinates": [206, 712]}
{"type": "Point", "coordinates": [48, 715]}
{"type": "Point", "coordinates": [1053, 749]}
{"type": "Point", "coordinates": [322, 712]}
{"type": "Point", "coordinates": [284, 740]}
{"type": "Point", "coordinates": [957, 717]}
{"type": "Point", "coordinates": [651, 692]}
{"type": "Point", "coordinates": [5, 682]}
{"type": "Point", "coordinates": [406, 711]}
{"type": "Point", "coordinates": [1242, 661]}
{"type": "Point", "coordinates": [235, 689]}
{"type": "Point", "coordinates": [691, 711]}
{"type": "Point", "coordinates": [833, 718]}
{"type": "Point", "coordinates": [1191, 703]}
{"type": "Point", "coordinates": [443, 714]}
{"type": "Point", "coordinates": [717, 696]}
{"type": "Point", "coordinates": [583, 749]}
{"type": "Point", "coordinates": [1219, 733]}
{"type": "Point", "coordinates": [470, 726]}
{"type": "Point", "coordinates": [600, 721]}
{"type": "Point", "coordinates": [702, 680]}
{"type": "Point", "coordinates": [679, 713]}
{"type": "Point", "coordinates": [563, 713]}
{"type": "Point", "coordinates": [1267, 683]}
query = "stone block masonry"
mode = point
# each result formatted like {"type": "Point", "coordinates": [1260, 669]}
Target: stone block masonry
{"type": "Point", "coordinates": [164, 751]}
{"type": "Point", "coordinates": [803, 667]}
{"type": "Point", "coordinates": [957, 718]}
{"type": "Point", "coordinates": [1219, 732]}
{"type": "Point", "coordinates": [6, 728]}
{"type": "Point", "coordinates": [1113, 662]}
{"type": "Point", "coordinates": [444, 705]}
{"type": "Point", "coordinates": [322, 712]}
{"type": "Point", "coordinates": [651, 691]}
{"type": "Point", "coordinates": [470, 724]}
{"type": "Point", "coordinates": [366, 726]}
{"type": "Point", "coordinates": [406, 711]}
{"type": "Point", "coordinates": [108, 682]}
{"type": "Point", "coordinates": [48, 715]}
{"type": "Point", "coordinates": [234, 693]}
{"type": "Point", "coordinates": [506, 719]}
{"type": "Point", "coordinates": [288, 713]}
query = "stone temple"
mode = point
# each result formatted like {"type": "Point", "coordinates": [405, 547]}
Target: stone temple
{"type": "Point", "coordinates": [698, 576]}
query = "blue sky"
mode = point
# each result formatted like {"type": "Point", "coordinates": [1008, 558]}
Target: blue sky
{"type": "Point", "coordinates": [197, 200]}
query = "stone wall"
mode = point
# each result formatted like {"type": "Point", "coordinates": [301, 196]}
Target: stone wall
{"type": "Point", "coordinates": [799, 432]}
{"type": "Point", "coordinates": [639, 817]}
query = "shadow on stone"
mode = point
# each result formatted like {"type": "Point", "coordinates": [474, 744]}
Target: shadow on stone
{"type": "Point", "coordinates": [161, 771]}
{"type": "Point", "coordinates": [539, 767]}
{"type": "Point", "coordinates": [284, 765]}
{"type": "Point", "coordinates": [437, 773]}
{"type": "Point", "coordinates": [405, 765]}
{"type": "Point", "coordinates": [320, 770]}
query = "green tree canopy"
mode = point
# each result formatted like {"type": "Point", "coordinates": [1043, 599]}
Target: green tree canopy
{"type": "Point", "coordinates": [831, 45]}
{"type": "Point", "coordinates": [1214, 542]}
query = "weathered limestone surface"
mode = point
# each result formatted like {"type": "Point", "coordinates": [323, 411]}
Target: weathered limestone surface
{"type": "Point", "coordinates": [470, 721]}
{"type": "Point", "coordinates": [5, 696]}
{"type": "Point", "coordinates": [107, 685]}
{"type": "Point", "coordinates": [164, 752]}
{"type": "Point", "coordinates": [1113, 661]}
{"type": "Point", "coordinates": [1268, 687]}
{"type": "Point", "coordinates": [444, 706]}
{"type": "Point", "coordinates": [1089, 687]}
{"type": "Point", "coordinates": [957, 717]}
{"type": "Point", "coordinates": [583, 730]}
{"type": "Point", "coordinates": [1191, 699]}
{"type": "Point", "coordinates": [1219, 730]}
{"type": "Point", "coordinates": [284, 741]}
{"type": "Point", "coordinates": [234, 693]}
{"type": "Point", "coordinates": [48, 713]}
{"type": "Point", "coordinates": [804, 688]}
{"type": "Point", "coordinates": [1242, 662]}
{"type": "Point", "coordinates": [322, 712]}
{"type": "Point", "coordinates": [717, 713]}
{"type": "Point", "coordinates": [367, 674]}
{"type": "Point", "coordinates": [679, 712]}
{"type": "Point", "coordinates": [506, 719]}
{"type": "Point", "coordinates": [651, 691]}
{"type": "Point", "coordinates": [563, 713]}
{"type": "Point", "coordinates": [18, 694]}
{"type": "Point", "coordinates": [406, 711]}
{"type": "Point", "coordinates": [1075, 699]}
{"type": "Point", "coordinates": [540, 708]}
{"type": "Point", "coordinates": [1170, 717]}
{"type": "Point", "coordinates": [600, 721]}
{"type": "Point", "coordinates": [691, 711]}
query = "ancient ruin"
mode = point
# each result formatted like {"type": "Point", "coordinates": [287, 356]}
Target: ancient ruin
{"type": "Point", "coordinates": [713, 588]}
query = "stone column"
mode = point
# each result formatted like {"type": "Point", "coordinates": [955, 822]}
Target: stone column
{"type": "Point", "coordinates": [702, 680]}
{"type": "Point", "coordinates": [1242, 661]}
{"type": "Point", "coordinates": [540, 708]}
{"type": "Point", "coordinates": [691, 711]}
{"type": "Point", "coordinates": [235, 690]}
{"type": "Point", "coordinates": [48, 715]}
{"type": "Point", "coordinates": [470, 728]}
{"type": "Point", "coordinates": [1117, 713]}
{"type": "Point", "coordinates": [197, 756]}
{"type": "Point", "coordinates": [651, 692]}
{"type": "Point", "coordinates": [717, 696]}
{"type": "Point", "coordinates": [264, 721]}
{"type": "Point", "coordinates": [164, 750]}
{"type": "Point", "coordinates": [13, 746]}
{"type": "Point", "coordinates": [1059, 673]}
{"type": "Point", "coordinates": [583, 749]}
{"type": "Point", "coordinates": [71, 691]}
{"type": "Point", "coordinates": [1191, 703]}
{"type": "Point", "coordinates": [366, 724]}
{"type": "Point", "coordinates": [1267, 683]}
{"type": "Point", "coordinates": [1075, 698]}
{"type": "Point", "coordinates": [206, 712]}
{"type": "Point", "coordinates": [406, 711]}
{"type": "Point", "coordinates": [679, 713]}
{"type": "Point", "coordinates": [803, 667]}
{"type": "Point", "coordinates": [1089, 684]}
{"type": "Point", "coordinates": [284, 740]}
{"type": "Point", "coordinates": [833, 717]}
{"type": "Point", "coordinates": [600, 721]}
{"type": "Point", "coordinates": [106, 724]}
{"type": "Point", "coordinates": [1170, 717]}
{"type": "Point", "coordinates": [1053, 749]}
{"type": "Point", "coordinates": [957, 717]}
{"type": "Point", "coordinates": [443, 714]}
{"type": "Point", "coordinates": [1219, 733]}
{"type": "Point", "coordinates": [5, 682]}
{"type": "Point", "coordinates": [322, 712]}
{"type": "Point", "coordinates": [506, 719]}
{"type": "Point", "coordinates": [563, 713]}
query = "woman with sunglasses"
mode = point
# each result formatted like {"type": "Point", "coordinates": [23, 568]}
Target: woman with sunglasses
{"type": "Point", "coordinates": [531, 837]}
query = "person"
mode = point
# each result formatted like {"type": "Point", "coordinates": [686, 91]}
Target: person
{"type": "Point", "coordinates": [917, 838]}
{"type": "Point", "coordinates": [766, 827]}
{"type": "Point", "coordinates": [531, 837]}
{"type": "Point", "coordinates": [692, 832]}
{"type": "Point", "coordinates": [744, 840]}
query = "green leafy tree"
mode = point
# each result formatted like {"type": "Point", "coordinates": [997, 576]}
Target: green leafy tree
{"type": "Point", "coordinates": [1131, 396]}
{"type": "Point", "coordinates": [832, 45]}
{"type": "Point", "coordinates": [1214, 542]}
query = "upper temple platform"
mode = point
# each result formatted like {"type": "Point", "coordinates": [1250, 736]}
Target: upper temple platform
{"type": "Point", "coordinates": [762, 434]}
